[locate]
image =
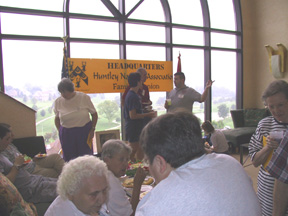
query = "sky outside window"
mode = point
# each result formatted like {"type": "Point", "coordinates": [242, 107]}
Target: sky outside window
{"type": "Point", "coordinates": [39, 63]}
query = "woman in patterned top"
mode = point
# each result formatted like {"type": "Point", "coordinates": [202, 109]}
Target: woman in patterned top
{"type": "Point", "coordinates": [275, 97]}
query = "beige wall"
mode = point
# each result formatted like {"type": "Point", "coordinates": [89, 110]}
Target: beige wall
{"type": "Point", "coordinates": [265, 22]}
{"type": "Point", "coordinates": [18, 115]}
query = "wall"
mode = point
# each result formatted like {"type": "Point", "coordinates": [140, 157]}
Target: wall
{"type": "Point", "coordinates": [19, 116]}
{"type": "Point", "coordinates": [264, 23]}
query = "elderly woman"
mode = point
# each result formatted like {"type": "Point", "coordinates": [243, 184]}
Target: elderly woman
{"type": "Point", "coordinates": [82, 188]}
{"type": "Point", "coordinates": [275, 97]}
{"type": "Point", "coordinates": [217, 138]}
{"type": "Point", "coordinates": [115, 154]}
{"type": "Point", "coordinates": [72, 120]}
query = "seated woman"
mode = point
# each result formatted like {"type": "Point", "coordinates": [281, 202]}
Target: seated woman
{"type": "Point", "coordinates": [33, 188]}
{"type": "Point", "coordinates": [116, 154]}
{"type": "Point", "coordinates": [217, 138]}
{"type": "Point", "coordinates": [50, 166]}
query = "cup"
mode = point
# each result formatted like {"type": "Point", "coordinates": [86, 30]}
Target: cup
{"type": "Point", "coordinates": [276, 135]}
{"type": "Point", "coordinates": [168, 102]}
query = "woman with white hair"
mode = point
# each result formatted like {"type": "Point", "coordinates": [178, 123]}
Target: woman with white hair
{"type": "Point", "coordinates": [116, 154]}
{"type": "Point", "coordinates": [82, 188]}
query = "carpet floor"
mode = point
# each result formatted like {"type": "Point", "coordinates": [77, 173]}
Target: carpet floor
{"type": "Point", "coordinates": [248, 167]}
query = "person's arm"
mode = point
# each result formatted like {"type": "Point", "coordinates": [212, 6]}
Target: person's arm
{"type": "Point", "coordinates": [19, 160]}
{"type": "Point", "coordinates": [206, 90]}
{"type": "Point", "coordinates": [57, 122]}
{"type": "Point", "coordinates": [280, 198]}
{"type": "Point", "coordinates": [261, 156]}
{"type": "Point", "coordinates": [94, 120]}
{"type": "Point", "coordinates": [134, 115]}
{"type": "Point", "coordinates": [138, 180]}
{"type": "Point", "coordinates": [215, 142]}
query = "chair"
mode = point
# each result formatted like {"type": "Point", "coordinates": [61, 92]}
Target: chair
{"type": "Point", "coordinates": [245, 122]}
{"type": "Point", "coordinates": [30, 146]}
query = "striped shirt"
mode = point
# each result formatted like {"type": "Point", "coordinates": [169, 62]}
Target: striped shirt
{"type": "Point", "coordinates": [265, 182]}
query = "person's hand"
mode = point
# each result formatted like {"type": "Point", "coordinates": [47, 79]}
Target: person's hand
{"type": "Point", "coordinates": [206, 144]}
{"type": "Point", "coordinates": [209, 83]}
{"type": "Point", "coordinates": [19, 160]}
{"type": "Point", "coordinates": [139, 177]}
{"type": "Point", "coordinates": [166, 105]}
{"type": "Point", "coordinates": [152, 114]}
{"type": "Point", "coordinates": [91, 133]}
{"type": "Point", "coordinates": [149, 103]}
{"type": "Point", "coordinates": [272, 143]}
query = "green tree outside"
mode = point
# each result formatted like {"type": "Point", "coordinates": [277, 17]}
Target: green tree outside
{"type": "Point", "coordinates": [223, 110]}
{"type": "Point", "coordinates": [109, 109]}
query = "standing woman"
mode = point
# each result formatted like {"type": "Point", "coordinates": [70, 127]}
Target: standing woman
{"type": "Point", "coordinates": [275, 97]}
{"type": "Point", "coordinates": [73, 122]}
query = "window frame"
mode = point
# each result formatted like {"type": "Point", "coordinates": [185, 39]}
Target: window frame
{"type": "Point", "coordinates": [122, 18]}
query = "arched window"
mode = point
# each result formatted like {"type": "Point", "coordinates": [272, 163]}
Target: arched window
{"type": "Point", "coordinates": [207, 34]}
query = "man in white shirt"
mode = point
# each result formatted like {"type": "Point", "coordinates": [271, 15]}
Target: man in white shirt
{"type": "Point", "coordinates": [82, 188]}
{"type": "Point", "coordinates": [190, 182]}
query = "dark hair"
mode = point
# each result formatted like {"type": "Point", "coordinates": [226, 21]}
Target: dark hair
{"type": "Point", "coordinates": [175, 136]}
{"type": "Point", "coordinates": [66, 85]}
{"type": "Point", "coordinates": [207, 126]}
{"type": "Point", "coordinates": [3, 131]}
{"type": "Point", "coordinates": [275, 87]}
{"type": "Point", "coordinates": [133, 79]}
{"type": "Point", "coordinates": [5, 125]}
{"type": "Point", "coordinates": [181, 74]}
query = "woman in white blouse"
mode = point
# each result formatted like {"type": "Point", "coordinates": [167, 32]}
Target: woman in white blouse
{"type": "Point", "coordinates": [72, 120]}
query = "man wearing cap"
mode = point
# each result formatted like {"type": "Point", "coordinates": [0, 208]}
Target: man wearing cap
{"type": "Point", "coordinates": [183, 96]}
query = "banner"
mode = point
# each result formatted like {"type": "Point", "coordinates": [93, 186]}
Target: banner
{"type": "Point", "coordinates": [110, 75]}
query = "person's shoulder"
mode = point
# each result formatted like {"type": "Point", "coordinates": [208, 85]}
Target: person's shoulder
{"type": "Point", "coordinates": [268, 118]}
{"type": "Point", "coordinates": [132, 94]}
{"type": "Point", "coordinates": [58, 99]}
{"type": "Point", "coordinates": [267, 121]}
{"type": "Point", "coordinates": [127, 88]}
{"type": "Point", "coordinates": [82, 94]}
{"type": "Point", "coordinates": [59, 207]}
{"type": "Point", "coordinates": [191, 89]}
{"type": "Point", "coordinates": [149, 202]}
{"type": "Point", "coordinates": [173, 90]}
{"type": "Point", "coordinates": [111, 177]}
{"type": "Point", "coordinates": [144, 86]}
{"type": "Point", "coordinates": [221, 158]}
{"type": "Point", "coordinates": [218, 131]}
